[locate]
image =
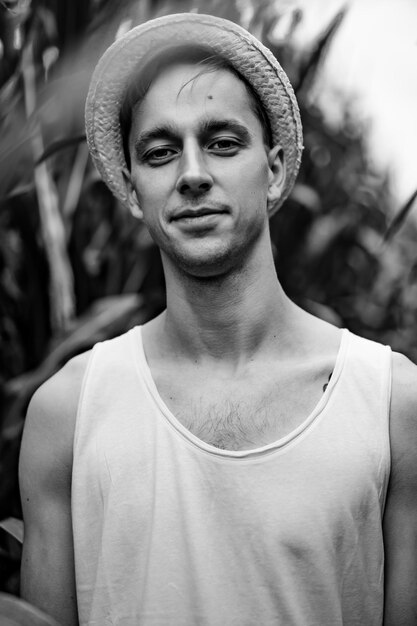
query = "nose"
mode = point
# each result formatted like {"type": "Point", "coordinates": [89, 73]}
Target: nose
{"type": "Point", "coordinates": [194, 179]}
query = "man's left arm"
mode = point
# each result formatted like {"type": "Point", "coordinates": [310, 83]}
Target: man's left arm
{"type": "Point", "coordinates": [400, 517]}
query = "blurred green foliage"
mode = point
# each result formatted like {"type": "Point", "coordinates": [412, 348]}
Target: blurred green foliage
{"type": "Point", "coordinates": [76, 268]}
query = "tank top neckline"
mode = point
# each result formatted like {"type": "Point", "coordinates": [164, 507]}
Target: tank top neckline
{"type": "Point", "coordinates": [280, 444]}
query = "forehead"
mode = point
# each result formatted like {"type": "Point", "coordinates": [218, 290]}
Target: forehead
{"type": "Point", "coordinates": [184, 92]}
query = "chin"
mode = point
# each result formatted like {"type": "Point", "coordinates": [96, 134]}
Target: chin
{"type": "Point", "coordinates": [208, 263]}
{"type": "Point", "coordinates": [210, 257]}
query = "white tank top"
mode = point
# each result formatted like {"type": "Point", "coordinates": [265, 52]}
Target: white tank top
{"type": "Point", "coordinates": [169, 530]}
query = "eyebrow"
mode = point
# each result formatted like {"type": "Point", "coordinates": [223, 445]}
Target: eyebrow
{"type": "Point", "coordinates": [208, 127]}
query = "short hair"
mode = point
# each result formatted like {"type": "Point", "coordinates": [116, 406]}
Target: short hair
{"type": "Point", "coordinates": [202, 57]}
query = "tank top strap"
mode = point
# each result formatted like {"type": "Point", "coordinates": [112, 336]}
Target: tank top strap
{"type": "Point", "coordinates": [369, 367]}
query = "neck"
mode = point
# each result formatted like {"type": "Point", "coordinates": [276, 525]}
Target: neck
{"type": "Point", "coordinates": [228, 317]}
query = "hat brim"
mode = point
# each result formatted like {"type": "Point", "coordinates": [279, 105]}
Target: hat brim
{"type": "Point", "coordinates": [244, 52]}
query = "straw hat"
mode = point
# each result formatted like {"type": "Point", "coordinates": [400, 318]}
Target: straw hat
{"type": "Point", "coordinates": [241, 49]}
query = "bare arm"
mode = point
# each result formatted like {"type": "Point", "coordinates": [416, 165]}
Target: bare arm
{"type": "Point", "coordinates": [45, 469]}
{"type": "Point", "coordinates": [400, 518]}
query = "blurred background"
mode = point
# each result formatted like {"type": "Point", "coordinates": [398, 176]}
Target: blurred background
{"type": "Point", "coordinates": [76, 268]}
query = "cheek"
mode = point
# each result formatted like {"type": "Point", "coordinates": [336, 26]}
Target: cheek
{"type": "Point", "coordinates": [149, 190]}
{"type": "Point", "coordinates": [253, 181]}
{"type": "Point", "coordinates": [255, 170]}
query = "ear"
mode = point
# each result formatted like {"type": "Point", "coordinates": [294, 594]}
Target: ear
{"type": "Point", "coordinates": [277, 174]}
{"type": "Point", "coordinates": [131, 195]}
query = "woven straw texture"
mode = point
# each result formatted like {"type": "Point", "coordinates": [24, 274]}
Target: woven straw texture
{"type": "Point", "coordinates": [250, 58]}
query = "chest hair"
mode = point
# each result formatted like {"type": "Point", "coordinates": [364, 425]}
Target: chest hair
{"type": "Point", "coordinates": [231, 425]}
{"type": "Point", "coordinates": [246, 420]}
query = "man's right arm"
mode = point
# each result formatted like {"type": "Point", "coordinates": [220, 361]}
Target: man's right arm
{"type": "Point", "coordinates": [45, 470]}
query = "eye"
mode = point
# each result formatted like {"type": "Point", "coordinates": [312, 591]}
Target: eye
{"type": "Point", "coordinates": [225, 145]}
{"type": "Point", "coordinates": [160, 155]}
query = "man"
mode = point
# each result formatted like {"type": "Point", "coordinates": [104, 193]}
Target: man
{"type": "Point", "coordinates": [193, 471]}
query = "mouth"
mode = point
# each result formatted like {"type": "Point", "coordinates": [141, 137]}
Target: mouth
{"type": "Point", "coordinates": [197, 213]}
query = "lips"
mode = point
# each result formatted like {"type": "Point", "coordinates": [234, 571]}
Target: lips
{"type": "Point", "coordinates": [197, 212]}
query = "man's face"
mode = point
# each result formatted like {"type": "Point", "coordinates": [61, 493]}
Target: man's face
{"type": "Point", "coordinates": [201, 173]}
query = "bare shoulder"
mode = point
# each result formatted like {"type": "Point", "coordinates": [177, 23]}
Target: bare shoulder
{"type": "Point", "coordinates": [50, 421]}
{"type": "Point", "coordinates": [67, 381]}
{"type": "Point", "coordinates": [403, 418]}
{"type": "Point", "coordinates": [404, 389]}
{"type": "Point", "coordinates": [60, 393]}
